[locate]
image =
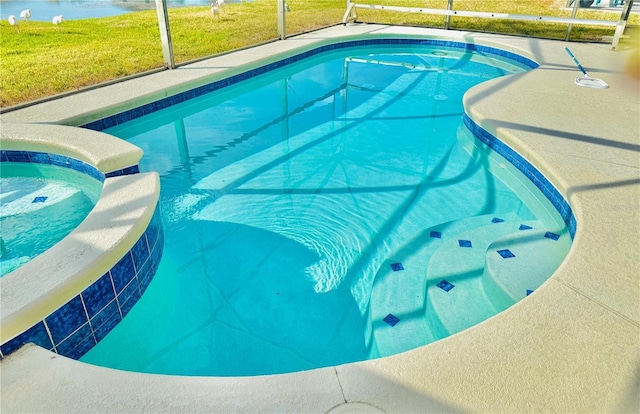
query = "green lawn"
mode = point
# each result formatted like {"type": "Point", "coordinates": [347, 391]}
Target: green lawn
{"type": "Point", "coordinates": [40, 59]}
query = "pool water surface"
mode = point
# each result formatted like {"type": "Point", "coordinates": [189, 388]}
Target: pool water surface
{"type": "Point", "coordinates": [39, 205]}
{"type": "Point", "coordinates": [331, 211]}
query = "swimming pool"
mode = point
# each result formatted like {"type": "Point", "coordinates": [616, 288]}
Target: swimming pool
{"type": "Point", "coordinates": [285, 221]}
{"type": "Point", "coordinates": [39, 205]}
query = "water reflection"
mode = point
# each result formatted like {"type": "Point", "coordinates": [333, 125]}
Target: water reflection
{"type": "Point", "coordinates": [44, 10]}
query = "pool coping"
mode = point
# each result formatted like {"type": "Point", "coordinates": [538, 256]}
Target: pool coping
{"type": "Point", "coordinates": [571, 346]}
{"type": "Point", "coordinates": [29, 294]}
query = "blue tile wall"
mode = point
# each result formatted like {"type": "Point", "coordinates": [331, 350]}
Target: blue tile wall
{"type": "Point", "coordinates": [37, 334]}
{"type": "Point", "coordinates": [117, 119]}
{"type": "Point", "coordinates": [63, 161]}
{"type": "Point", "coordinates": [77, 326]}
{"type": "Point", "coordinates": [64, 321]}
{"type": "Point", "coordinates": [536, 177]}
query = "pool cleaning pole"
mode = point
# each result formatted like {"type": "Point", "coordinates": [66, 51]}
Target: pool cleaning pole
{"type": "Point", "coordinates": [575, 60]}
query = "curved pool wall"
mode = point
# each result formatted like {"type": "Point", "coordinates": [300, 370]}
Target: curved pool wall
{"type": "Point", "coordinates": [116, 294]}
{"type": "Point", "coordinates": [536, 177]}
{"type": "Point", "coordinates": [484, 137]}
{"type": "Point", "coordinates": [88, 284]}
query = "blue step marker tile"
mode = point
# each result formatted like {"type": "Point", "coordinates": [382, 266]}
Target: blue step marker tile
{"type": "Point", "coordinates": [444, 285]}
{"type": "Point", "coordinates": [506, 253]}
{"type": "Point", "coordinates": [435, 234]}
{"type": "Point", "coordinates": [497, 220]}
{"type": "Point", "coordinates": [465, 243]}
{"type": "Point", "coordinates": [552, 236]}
{"type": "Point", "coordinates": [524, 227]}
{"type": "Point", "coordinates": [391, 319]}
{"type": "Point", "coordinates": [396, 267]}
{"type": "Point", "coordinates": [40, 199]}
{"type": "Point", "coordinates": [529, 291]}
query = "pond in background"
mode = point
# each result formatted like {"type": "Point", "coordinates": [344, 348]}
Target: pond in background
{"type": "Point", "coordinates": [44, 10]}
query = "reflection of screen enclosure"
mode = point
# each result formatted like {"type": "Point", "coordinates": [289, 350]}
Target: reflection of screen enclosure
{"type": "Point", "coordinates": [287, 197]}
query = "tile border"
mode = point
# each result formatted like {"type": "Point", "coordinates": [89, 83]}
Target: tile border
{"type": "Point", "coordinates": [122, 117]}
{"type": "Point", "coordinates": [80, 323]}
{"type": "Point", "coordinates": [77, 326]}
{"type": "Point", "coordinates": [532, 173]}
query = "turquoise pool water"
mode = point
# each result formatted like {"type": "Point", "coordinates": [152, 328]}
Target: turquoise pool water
{"type": "Point", "coordinates": [312, 216]}
{"type": "Point", "coordinates": [40, 205]}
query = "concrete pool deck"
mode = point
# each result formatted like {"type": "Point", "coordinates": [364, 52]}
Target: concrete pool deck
{"type": "Point", "coordinates": [571, 346]}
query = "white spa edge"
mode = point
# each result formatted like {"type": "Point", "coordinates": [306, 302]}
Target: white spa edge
{"type": "Point", "coordinates": [571, 346]}
{"type": "Point", "coordinates": [121, 215]}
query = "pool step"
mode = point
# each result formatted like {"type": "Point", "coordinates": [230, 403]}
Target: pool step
{"type": "Point", "coordinates": [26, 201]}
{"type": "Point", "coordinates": [401, 293]}
{"type": "Point", "coordinates": [456, 297]}
{"type": "Point", "coordinates": [519, 263]}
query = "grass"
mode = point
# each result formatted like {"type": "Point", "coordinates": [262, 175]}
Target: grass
{"type": "Point", "coordinates": [523, 28]}
{"type": "Point", "coordinates": [41, 60]}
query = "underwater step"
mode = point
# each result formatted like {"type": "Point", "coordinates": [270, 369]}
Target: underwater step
{"type": "Point", "coordinates": [400, 286]}
{"type": "Point", "coordinates": [455, 292]}
{"type": "Point", "coordinates": [25, 199]}
{"type": "Point", "coordinates": [519, 263]}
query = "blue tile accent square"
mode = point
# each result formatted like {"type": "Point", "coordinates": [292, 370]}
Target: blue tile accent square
{"type": "Point", "coordinates": [396, 267]}
{"type": "Point", "coordinates": [122, 272]}
{"type": "Point", "coordinates": [446, 286]}
{"type": "Point", "coordinates": [40, 199]}
{"type": "Point", "coordinates": [506, 253]}
{"type": "Point", "coordinates": [465, 243]}
{"type": "Point", "coordinates": [391, 319]}
{"type": "Point", "coordinates": [98, 295]}
{"type": "Point", "coordinates": [552, 236]}
{"type": "Point", "coordinates": [435, 234]}
{"type": "Point", "coordinates": [76, 345]}
{"type": "Point", "coordinates": [529, 292]}
{"type": "Point", "coordinates": [524, 227]}
{"type": "Point", "coordinates": [66, 319]}
{"type": "Point", "coordinates": [497, 220]}
{"type": "Point", "coordinates": [36, 334]}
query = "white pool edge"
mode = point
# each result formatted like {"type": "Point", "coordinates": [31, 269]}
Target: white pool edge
{"type": "Point", "coordinates": [35, 290]}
